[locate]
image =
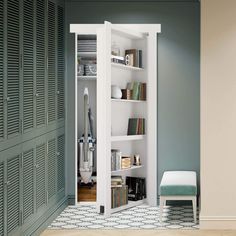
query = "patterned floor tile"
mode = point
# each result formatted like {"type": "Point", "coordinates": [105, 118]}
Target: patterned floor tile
{"type": "Point", "coordinates": [140, 217]}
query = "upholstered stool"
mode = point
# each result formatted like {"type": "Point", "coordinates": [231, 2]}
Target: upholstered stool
{"type": "Point", "coordinates": [179, 185]}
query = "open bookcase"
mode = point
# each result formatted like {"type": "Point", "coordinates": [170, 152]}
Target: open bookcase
{"type": "Point", "coordinates": [112, 115]}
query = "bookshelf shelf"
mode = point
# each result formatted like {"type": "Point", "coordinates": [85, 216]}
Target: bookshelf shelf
{"type": "Point", "coordinates": [129, 205]}
{"type": "Point", "coordinates": [122, 66]}
{"type": "Point", "coordinates": [123, 170]}
{"type": "Point", "coordinates": [86, 78]}
{"type": "Point", "coordinates": [127, 138]}
{"type": "Point", "coordinates": [127, 100]}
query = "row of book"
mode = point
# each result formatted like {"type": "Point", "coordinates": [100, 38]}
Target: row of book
{"type": "Point", "coordinates": [119, 196]}
{"type": "Point", "coordinates": [119, 162]}
{"type": "Point", "coordinates": [119, 192]}
{"type": "Point", "coordinates": [138, 90]}
{"type": "Point", "coordinates": [136, 126]}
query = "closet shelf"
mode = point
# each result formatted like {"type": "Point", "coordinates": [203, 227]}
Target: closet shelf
{"type": "Point", "coordinates": [127, 100]}
{"type": "Point", "coordinates": [125, 67]}
{"type": "Point", "coordinates": [87, 54]}
{"type": "Point", "coordinates": [86, 78]}
{"type": "Point", "coordinates": [129, 205]}
{"type": "Point", "coordinates": [127, 169]}
{"type": "Point", "coordinates": [127, 138]}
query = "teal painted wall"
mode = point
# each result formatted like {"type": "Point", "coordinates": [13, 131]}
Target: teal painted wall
{"type": "Point", "coordinates": [178, 70]}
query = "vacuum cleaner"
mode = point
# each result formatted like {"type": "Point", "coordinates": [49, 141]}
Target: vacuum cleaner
{"type": "Point", "coordinates": [87, 145]}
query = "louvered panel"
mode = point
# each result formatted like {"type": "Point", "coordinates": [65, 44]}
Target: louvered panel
{"type": "Point", "coordinates": [60, 64]}
{"type": "Point", "coordinates": [28, 184]}
{"type": "Point", "coordinates": [28, 65]}
{"type": "Point", "coordinates": [40, 63]}
{"type": "Point", "coordinates": [1, 71]}
{"type": "Point", "coordinates": [13, 110]}
{"type": "Point", "coordinates": [51, 63]}
{"type": "Point", "coordinates": [51, 168]}
{"type": "Point", "coordinates": [1, 198]}
{"type": "Point", "coordinates": [40, 175]}
{"type": "Point", "coordinates": [61, 162]}
{"type": "Point", "coordinates": [13, 193]}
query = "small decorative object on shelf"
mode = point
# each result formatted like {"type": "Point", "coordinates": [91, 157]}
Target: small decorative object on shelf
{"type": "Point", "coordinates": [133, 57]}
{"type": "Point", "coordinates": [115, 49]}
{"type": "Point", "coordinates": [125, 162]}
{"type": "Point", "coordinates": [136, 188]}
{"type": "Point", "coordinates": [90, 69]}
{"type": "Point", "coordinates": [137, 161]}
{"type": "Point", "coordinates": [116, 92]}
{"type": "Point", "coordinates": [136, 126]}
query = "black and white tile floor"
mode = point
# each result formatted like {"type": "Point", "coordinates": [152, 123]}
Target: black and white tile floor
{"type": "Point", "coordinates": [140, 217]}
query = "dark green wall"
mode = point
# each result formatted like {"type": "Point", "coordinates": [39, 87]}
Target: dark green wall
{"type": "Point", "coordinates": [178, 70]}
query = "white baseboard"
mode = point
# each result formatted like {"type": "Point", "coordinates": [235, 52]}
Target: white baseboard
{"type": "Point", "coordinates": [217, 222]}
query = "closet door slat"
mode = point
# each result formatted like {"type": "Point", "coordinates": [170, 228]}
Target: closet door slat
{"type": "Point", "coordinates": [1, 70]}
{"type": "Point", "coordinates": [13, 68]}
{"type": "Point", "coordinates": [51, 168]}
{"type": "Point", "coordinates": [60, 63]}
{"type": "Point", "coordinates": [51, 63]}
{"type": "Point", "coordinates": [61, 162]}
{"type": "Point", "coordinates": [28, 184]}
{"type": "Point", "coordinates": [13, 193]}
{"type": "Point", "coordinates": [40, 64]}
{"type": "Point", "coordinates": [28, 65]}
{"type": "Point", "coordinates": [1, 198]}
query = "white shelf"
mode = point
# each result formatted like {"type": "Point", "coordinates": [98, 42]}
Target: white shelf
{"type": "Point", "coordinates": [86, 78]}
{"type": "Point", "coordinates": [87, 54]}
{"type": "Point", "coordinates": [127, 138]}
{"type": "Point", "coordinates": [129, 205]}
{"type": "Point", "coordinates": [123, 170]}
{"type": "Point", "coordinates": [122, 66]}
{"type": "Point", "coordinates": [127, 100]}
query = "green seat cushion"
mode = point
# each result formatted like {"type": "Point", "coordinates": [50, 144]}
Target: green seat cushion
{"type": "Point", "coordinates": [178, 183]}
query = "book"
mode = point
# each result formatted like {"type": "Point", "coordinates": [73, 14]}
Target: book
{"type": "Point", "coordinates": [135, 91]}
{"type": "Point", "coordinates": [136, 126]}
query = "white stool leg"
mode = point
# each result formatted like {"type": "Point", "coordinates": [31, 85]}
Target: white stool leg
{"type": "Point", "coordinates": [194, 202]}
{"type": "Point", "coordinates": [162, 200]}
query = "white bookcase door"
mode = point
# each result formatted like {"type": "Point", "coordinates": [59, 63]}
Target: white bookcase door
{"type": "Point", "coordinates": [104, 119]}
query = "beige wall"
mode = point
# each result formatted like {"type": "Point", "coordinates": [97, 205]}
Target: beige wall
{"type": "Point", "coordinates": [218, 114]}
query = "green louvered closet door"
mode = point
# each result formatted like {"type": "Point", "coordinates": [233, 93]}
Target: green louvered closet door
{"type": "Point", "coordinates": [51, 62]}
{"type": "Point", "coordinates": [60, 162]}
{"type": "Point", "coordinates": [28, 184]}
{"type": "Point", "coordinates": [52, 163]}
{"type": "Point", "coordinates": [2, 198]}
{"type": "Point", "coordinates": [60, 63]}
{"type": "Point", "coordinates": [40, 175]}
{"type": "Point", "coordinates": [40, 63]}
{"type": "Point", "coordinates": [13, 69]}
{"type": "Point", "coordinates": [13, 194]}
{"type": "Point", "coordinates": [28, 65]}
{"type": "Point", "coordinates": [1, 72]}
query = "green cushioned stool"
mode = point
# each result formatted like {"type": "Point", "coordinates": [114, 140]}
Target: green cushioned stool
{"type": "Point", "coordinates": [179, 185]}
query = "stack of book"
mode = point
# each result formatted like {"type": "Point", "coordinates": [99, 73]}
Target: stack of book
{"type": "Point", "coordinates": [125, 162]}
{"type": "Point", "coordinates": [136, 56]}
{"type": "Point", "coordinates": [116, 181]}
{"type": "Point", "coordinates": [138, 90]}
{"type": "Point", "coordinates": [118, 59]}
{"type": "Point", "coordinates": [119, 193]}
{"type": "Point", "coordinates": [136, 126]}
